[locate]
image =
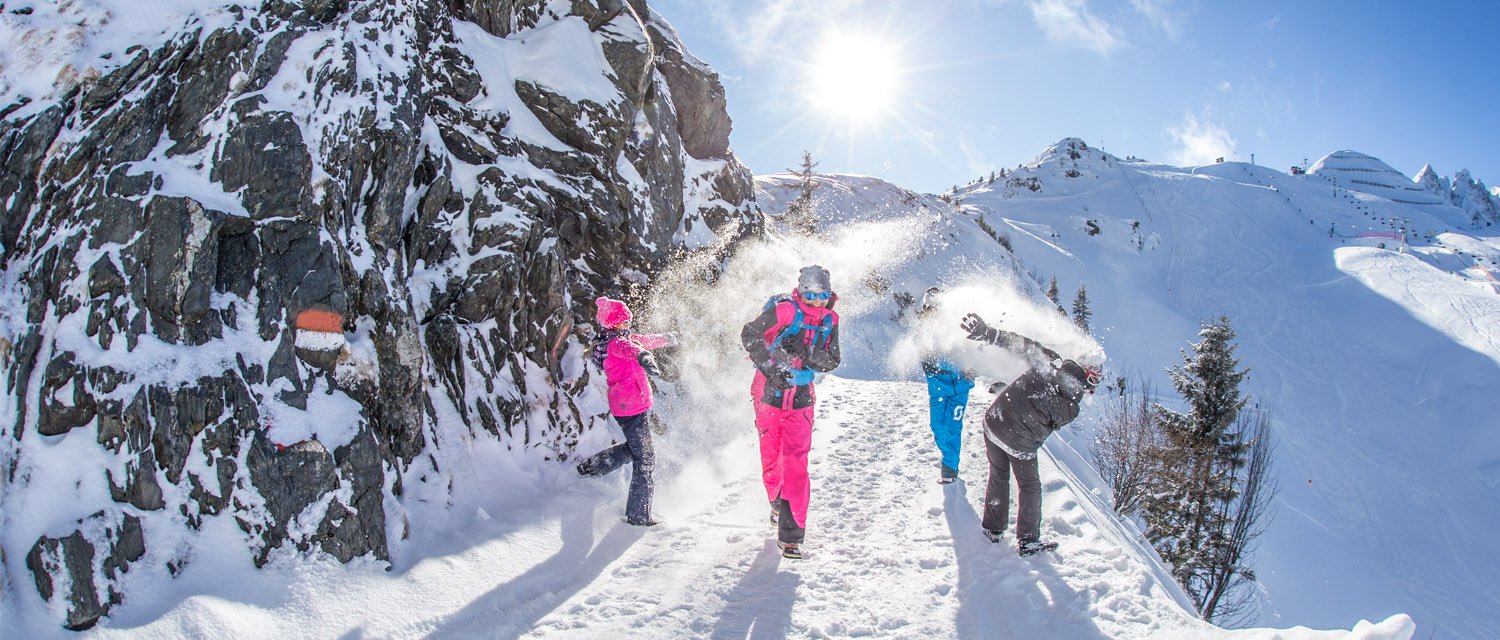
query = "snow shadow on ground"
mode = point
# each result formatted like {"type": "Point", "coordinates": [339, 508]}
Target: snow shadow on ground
{"type": "Point", "coordinates": [1011, 597]}
{"type": "Point", "coordinates": [760, 605]}
{"type": "Point", "coordinates": [518, 604]}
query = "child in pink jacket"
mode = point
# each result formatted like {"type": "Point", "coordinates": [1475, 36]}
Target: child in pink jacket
{"type": "Point", "coordinates": [625, 357]}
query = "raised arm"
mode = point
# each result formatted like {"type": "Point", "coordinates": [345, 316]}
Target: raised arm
{"type": "Point", "coordinates": [981, 331]}
{"type": "Point", "coordinates": [654, 340]}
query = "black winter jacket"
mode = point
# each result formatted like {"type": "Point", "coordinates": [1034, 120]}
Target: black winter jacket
{"type": "Point", "coordinates": [769, 359]}
{"type": "Point", "coordinates": [1038, 403]}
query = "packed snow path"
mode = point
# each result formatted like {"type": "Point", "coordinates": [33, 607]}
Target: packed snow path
{"type": "Point", "coordinates": [892, 554]}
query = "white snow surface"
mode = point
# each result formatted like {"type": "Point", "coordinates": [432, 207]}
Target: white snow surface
{"type": "Point", "coordinates": [59, 45]}
{"type": "Point", "coordinates": [1380, 365]}
{"type": "Point", "coordinates": [1377, 357]}
{"type": "Point", "coordinates": [514, 546]}
{"type": "Point", "coordinates": [893, 554]}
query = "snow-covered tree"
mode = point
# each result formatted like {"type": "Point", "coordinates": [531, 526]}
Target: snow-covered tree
{"type": "Point", "coordinates": [801, 213]}
{"type": "Point", "coordinates": [1196, 513]}
{"type": "Point", "coordinates": [1081, 313]}
{"type": "Point", "coordinates": [1055, 296]}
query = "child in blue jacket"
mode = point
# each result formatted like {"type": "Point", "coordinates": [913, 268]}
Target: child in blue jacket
{"type": "Point", "coordinates": [947, 396]}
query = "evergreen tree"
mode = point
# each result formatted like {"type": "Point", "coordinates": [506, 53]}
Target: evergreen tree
{"type": "Point", "coordinates": [801, 213]}
{"type": "Point", "coordinates": [1081, 313]}
{"type": "Point", "coordinates": [1055, 296]}
{"type": "Point", "coordinates": [1190, 510]}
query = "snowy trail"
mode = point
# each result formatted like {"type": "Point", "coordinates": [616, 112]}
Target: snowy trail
{"type": "Point", "coordinates": [893, 555]}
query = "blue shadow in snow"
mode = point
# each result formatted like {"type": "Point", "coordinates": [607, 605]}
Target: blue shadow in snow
{"type": "Point", "coordinates": [994, 601]}
{"type": "Point", "coordinates": [513, 608]}
{"type": "Point", "coordinates": [760, 606]}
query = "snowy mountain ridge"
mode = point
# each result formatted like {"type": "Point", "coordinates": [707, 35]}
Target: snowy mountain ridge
{"type": "Point", "coordinates": [294, 299]}
{"type": "Point", "coordinates": [1339, 277]}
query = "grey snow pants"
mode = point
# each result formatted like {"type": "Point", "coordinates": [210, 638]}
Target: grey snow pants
{"type": "Point", "coordinates": [997, 493]}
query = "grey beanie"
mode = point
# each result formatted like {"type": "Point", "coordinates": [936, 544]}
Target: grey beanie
{"type": "Point", "coordinates": [813, 278]}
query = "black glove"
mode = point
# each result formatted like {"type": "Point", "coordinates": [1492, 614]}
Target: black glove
{"type": "Point", "coordinates": [778, 376]}
{"type": "Point", "coordinates": [792, 344]}
{"type": "Point", "coordinates": [975, 325]}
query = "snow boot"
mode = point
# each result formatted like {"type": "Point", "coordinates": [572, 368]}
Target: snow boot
{"type": "Point", "coordinates": [791, 550]}
{"type": "Point", "coordinates": [949, 474]}
{"type": "Point", "coordinates": [993, 535]}
{"type": "Point", "coordinates": [648, 522]}
{"type": "Point", "coordinates": [1033, 547]}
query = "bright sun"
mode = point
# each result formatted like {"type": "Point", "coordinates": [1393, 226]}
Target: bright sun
{"type": "Point", "coordinates": [854, 77]}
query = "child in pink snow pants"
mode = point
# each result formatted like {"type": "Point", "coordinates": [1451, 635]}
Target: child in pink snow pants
{"type": "Point", "coordinates": [625, 357]}
{"type": "Point", "coordinates": [793, 338]}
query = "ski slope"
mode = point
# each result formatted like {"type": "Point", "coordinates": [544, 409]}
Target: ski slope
{"type": "Point", "coordinates": [893, 555]}
{"type": "Point", "coordinates": [1380, 366]}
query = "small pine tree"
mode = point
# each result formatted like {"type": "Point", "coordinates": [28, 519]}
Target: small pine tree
{"type": "Point", "coordinates": [1052, 293]}
{"type": "Point", "coordinates": [801, 214]}
{"type": "Point", "coordinates": [1081, 313]}
{"type": "Point", "coordinates": [1191, 510]}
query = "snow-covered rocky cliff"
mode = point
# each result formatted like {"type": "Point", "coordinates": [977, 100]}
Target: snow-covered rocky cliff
{"type": "Point", "coordinates": [267, 267]}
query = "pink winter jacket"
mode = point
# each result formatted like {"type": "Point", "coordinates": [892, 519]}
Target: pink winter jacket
{"type": "Point", "coordinates": [629, 392]}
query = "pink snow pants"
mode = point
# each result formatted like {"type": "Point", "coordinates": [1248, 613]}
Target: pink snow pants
{"type": "Point", "coordinates": [785, 439]}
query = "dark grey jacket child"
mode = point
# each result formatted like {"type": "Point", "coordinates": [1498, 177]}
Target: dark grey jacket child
{"type": "Point", "coordinates": [1030, 409]}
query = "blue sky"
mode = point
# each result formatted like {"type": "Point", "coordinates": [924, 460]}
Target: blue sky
{"type": "Point", "coordinates": [984, 84]}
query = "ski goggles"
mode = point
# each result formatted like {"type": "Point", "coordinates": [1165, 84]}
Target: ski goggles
{"type": "Point", "coordinates": [1093, 375]}
{"type": "Point", "coordinates": [817, 295]}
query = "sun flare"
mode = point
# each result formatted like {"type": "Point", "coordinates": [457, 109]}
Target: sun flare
{"type": "Point", "coordinates": [854, 77]}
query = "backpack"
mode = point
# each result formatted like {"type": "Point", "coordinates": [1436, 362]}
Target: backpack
{"type": "Point", "coordinates": [797, 326]}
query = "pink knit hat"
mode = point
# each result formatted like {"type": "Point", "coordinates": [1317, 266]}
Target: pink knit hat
{"type": "Point", "coordinates": [612, 313]}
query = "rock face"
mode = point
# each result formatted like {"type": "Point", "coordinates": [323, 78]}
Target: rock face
{"type": "Point", "coordinates": [264, 269]}
{"type": "Point", "coordinates": [1471, 195]}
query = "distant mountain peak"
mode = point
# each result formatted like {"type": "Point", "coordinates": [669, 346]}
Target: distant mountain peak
{"type": "Point", "coordinates": [1072, 151]}
{"type": "Point", "coordinates": [1356, 171]}
{"type": "Point", "coordinates": [1429, 179]}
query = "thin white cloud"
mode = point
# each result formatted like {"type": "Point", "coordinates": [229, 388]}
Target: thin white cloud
{"type": "Point", "coordinates": [1198, 142]}
{"type": "Point", "coordinates": [750, 33]}
{"type": "Point", "coordinates": [1224, 86]}
{"type": "Point", "coordinates": [766, 28]}
{"type": "Point", "coordinates": [1162, 14]}
{"type": "Point", "coordinates": [925, 137]}
{"type": "Point", "coordinates": [978, 165]}
{"type": "Point", "coordinates": [1070, 23]}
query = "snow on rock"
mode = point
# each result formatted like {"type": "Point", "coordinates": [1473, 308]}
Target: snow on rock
{"type": "Point", "coordinates": [188, 178]}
